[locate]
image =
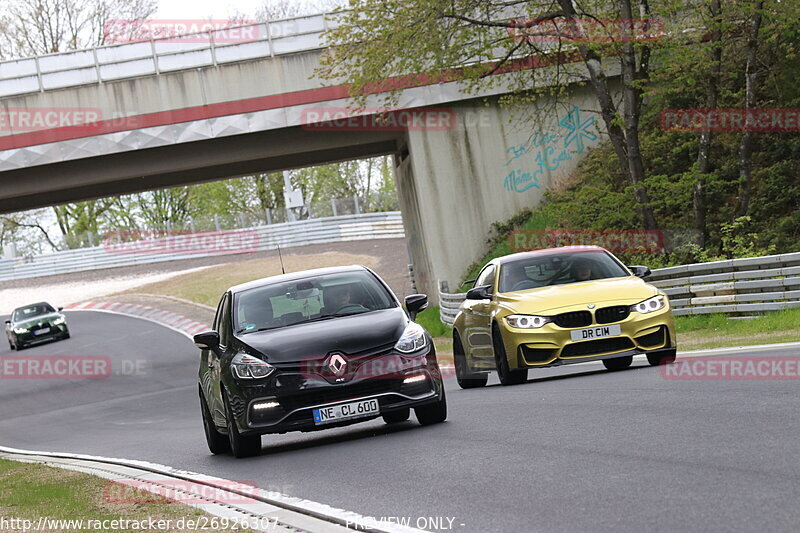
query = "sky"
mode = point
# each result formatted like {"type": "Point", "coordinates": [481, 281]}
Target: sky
{"type": "Point", "coordinates": [203, 9]}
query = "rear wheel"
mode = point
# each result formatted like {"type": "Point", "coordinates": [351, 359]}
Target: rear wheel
{"type": "Point", "coordinates": [465, 378]}
{"type": "Point", "coordinates": [241, 446]}
{"type": "Point", "coordinates": [433, 413]}
{"type": "Point", "coordinates": [662, 358]}
{"type": "Point", "coordinates": [217, 442]}
{"type": "Point", "coordinates": [618, 363]}
{"type": "Point", "coordinates": [504, 372]}
{"type": "Point", "coordinates": [395, 417]}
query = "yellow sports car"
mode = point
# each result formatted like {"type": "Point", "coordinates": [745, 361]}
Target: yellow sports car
{"type": "Point", "coordinates": [559, 306]}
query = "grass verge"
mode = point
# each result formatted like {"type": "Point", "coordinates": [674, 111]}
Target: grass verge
{"type": "Point", "coordinates": [31, 491]}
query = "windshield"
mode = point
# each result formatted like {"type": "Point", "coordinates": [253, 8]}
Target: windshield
{"type": "Point", "coordinates": [558, 269]}
{"type": "Point", "coordinates": [309, 299]}
{"type": "Point", "coordinates": [31, 311]}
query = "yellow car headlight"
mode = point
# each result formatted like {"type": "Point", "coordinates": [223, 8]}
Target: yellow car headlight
{"type": "Point", "coordinates": [656, 303]}
{"type": "Point", "coordinates": [527, 321]}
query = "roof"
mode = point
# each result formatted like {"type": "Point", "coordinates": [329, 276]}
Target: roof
{"type": "Point", "coordinates": [561, 249]}
{"type": "Point", "coordinates": [291, 276]}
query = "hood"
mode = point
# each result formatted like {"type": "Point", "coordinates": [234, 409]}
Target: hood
{"type": "Point", "coordinates": [627, 290]}
{"type": "Point", "coordinates": [35, 321]}
{"type": "Point", "coordinates": [357, 334]}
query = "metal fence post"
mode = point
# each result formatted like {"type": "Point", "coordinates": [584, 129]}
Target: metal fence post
{"type": "Point", "coordinates": [333, 206]}
{"type": "Point", "coordinates": [242, 220]}
{"type": "Point", "coordinates": [155, 55]}
{"type": "Point", "coordinates": [358, 207]}
{"type": "Point", "coordinates": [269, 215]}
{"type": "Point", "coordinates": [216, 222]}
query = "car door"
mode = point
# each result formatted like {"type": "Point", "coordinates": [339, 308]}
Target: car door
{"type": "Point", "coordinates": [213, 360]}
{"type": "Point", "coordinates": [477, 322]}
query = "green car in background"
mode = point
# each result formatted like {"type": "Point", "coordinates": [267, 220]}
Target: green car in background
{"type": "Point", "coordinates": [35, 323]}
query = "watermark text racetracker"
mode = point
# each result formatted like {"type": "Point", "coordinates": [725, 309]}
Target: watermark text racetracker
{"type": "Point", "coordinates": [181, 242]}
{"type": "Point", "coordinates": [734, 368]}
{"type": "Point", "coordinates": [200, 523]}
{"type": "Point", "coordinates": [615, 241]}
{"type": "Point", "coordinates": [69, 367]}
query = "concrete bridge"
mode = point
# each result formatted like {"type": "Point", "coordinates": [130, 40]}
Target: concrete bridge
{"type": "Point", "coordinates": [138, 116]}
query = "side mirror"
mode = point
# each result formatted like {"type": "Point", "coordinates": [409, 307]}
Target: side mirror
{"type": "Point", "coordinates": [639, 271]}
{"type": "Point", "coordinates": [8, 322]}
{"type": "Point", "coordinates": [208, 340]}
{"type": "Point", "coordinates": [416, 303]}
{"type": "Point", "coordinates": [480, 293]}
{"type": "Point", "coordinates": [60, 309]}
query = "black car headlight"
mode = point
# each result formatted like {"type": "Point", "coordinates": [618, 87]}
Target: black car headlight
{"type": "Point", "coordinates": [527, 321]}
{"type": "Point", "coordinates": [412, 339]}
{"type": "Point", "coordinates": [246, 366]}
{"type": "Point", "coordinates": [656, 303]}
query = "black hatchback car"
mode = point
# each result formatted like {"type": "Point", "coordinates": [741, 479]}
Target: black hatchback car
{"type": "Point", "coordinates": [34, 324]}
{"type": "Point", "coordinates": [313, 350]}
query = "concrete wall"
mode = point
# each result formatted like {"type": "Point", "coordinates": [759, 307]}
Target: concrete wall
{"type": "Point", "coordinates": [493, 163]}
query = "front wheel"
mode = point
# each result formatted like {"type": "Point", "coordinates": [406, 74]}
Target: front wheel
{"type": "Point", "coordinates": [504, 372]}
{"type": "Point", "coordinates": [11, 345]}
{"type": "Point", "coordinates": [465, 378]}
{"type": "Point", "coordinates": [433, 413]}
{"type": "Point", "coordinates": [662, 358]}
{"type": "Point", "coordinates": [217, 442]}
{"type": "Point", "coordinates": [241, 446]}
{"type": "Point", "coordinates": [618, 363]}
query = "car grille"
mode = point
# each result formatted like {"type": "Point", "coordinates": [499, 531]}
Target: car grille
{"type": "Point", "coordinates": [652, 339]}
{"type": "Point", "coordinates": [574, 319]}
{"type": "Point", "coordinates": [536, 355]}
{"type": "Point", "coordinates": [599, 346]}
{"type": "Point", "coordinates": [335, 393]}
{"type": "Point", "coordinates": [607, 315]}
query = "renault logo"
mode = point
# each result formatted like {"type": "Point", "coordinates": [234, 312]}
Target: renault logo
{"type": "Point", "coordinates": [337, 364]}
{"type": "Point", "coordinates": [590, 306]}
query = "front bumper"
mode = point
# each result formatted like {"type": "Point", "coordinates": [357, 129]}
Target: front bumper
{"type": "Point", "coordinates": [552, 345]}
{"type": "Point", "coordinates": [28, 338]}
{"type": "Point", "coordinates": [294, 391]}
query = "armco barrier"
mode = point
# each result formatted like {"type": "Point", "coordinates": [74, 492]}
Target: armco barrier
{"type": "Point", "coordinates": [386, 225]}
{"type": "Point", "coordinates": [734, 286]}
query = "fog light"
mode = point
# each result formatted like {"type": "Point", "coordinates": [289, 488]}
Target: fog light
{"type": "Point", "coordinates": [260, 406]}
{"type": "Point", "coordinates": [415, 379]}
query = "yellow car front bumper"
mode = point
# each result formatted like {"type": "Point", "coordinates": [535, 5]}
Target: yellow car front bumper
{"type": "Point", "coordinates": [552, 345]}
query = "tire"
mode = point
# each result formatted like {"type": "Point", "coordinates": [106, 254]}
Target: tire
{"type": "Point", "coordinates": [11, 345]}
{"type": "Point", "coordinates": [465, 378]}
{"type": "Point", "coordinates": [217, 442]}
{"type": "Point", "coordinates": [504, 372]}
{"type": "Point", "coordinates": [662, 358]}
{"type": "Point", "coordinates": [395, 417]}
{"type": "Point", "coordinates": [433, 413]}
{"type": "Point", "coordinates": [618, 363]}
{"type": "Point", "coordinates": [241, 446]}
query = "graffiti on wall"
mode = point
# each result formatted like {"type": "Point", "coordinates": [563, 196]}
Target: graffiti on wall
{"type": "Point", "coordinates": [545, 151]}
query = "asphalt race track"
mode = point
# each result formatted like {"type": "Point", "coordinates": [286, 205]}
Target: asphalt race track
{"type": "Point", "coordinates": [576, 449]}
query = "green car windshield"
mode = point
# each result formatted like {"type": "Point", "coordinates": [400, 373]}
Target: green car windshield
{"type": "Point", "coordinates": [32, 311]}
{"type": "Point", "coordinates": [542, 270]}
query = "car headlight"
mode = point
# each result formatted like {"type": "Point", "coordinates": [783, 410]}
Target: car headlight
{"type": "Point", "coordinates": [527, 321]}
{"type": "Point", "coordinates": [656, 303]}
{"type": "Point", "coordinates": [246, 366]}
{"type": "Point", "coordinates": [412, 339]}
{"type": "Point", "coordinates": [20, 331]}
{"type": "Point", "coordinates": [60, 320]}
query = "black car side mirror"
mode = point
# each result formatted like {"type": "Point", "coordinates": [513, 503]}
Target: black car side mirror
{"type": "Point", "coordinates": [416, 303]}
{"type": "Point", "coordinates": [60, 308]}
{"type": "Point", "coordinates": [639, 271]}
{"type": "Point", "coordinates": [208, 340]}
{"type": "Point", "coordinates": [8, 322]}
{"type": "Point", "coordinates": [479, 293]}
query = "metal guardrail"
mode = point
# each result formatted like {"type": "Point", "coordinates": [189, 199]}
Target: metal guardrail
{"type": "Point", "coordinates": [156, 56]}
{"type": "Point", "coordinates": [733, 286]}
{"type": "Point", "coordinates": [286, 235]}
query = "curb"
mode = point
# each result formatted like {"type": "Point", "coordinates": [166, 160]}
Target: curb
{"type": "Point", "coordinates": [173, 321]}
{"type": "Point", "coordinates": [264, 509]}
